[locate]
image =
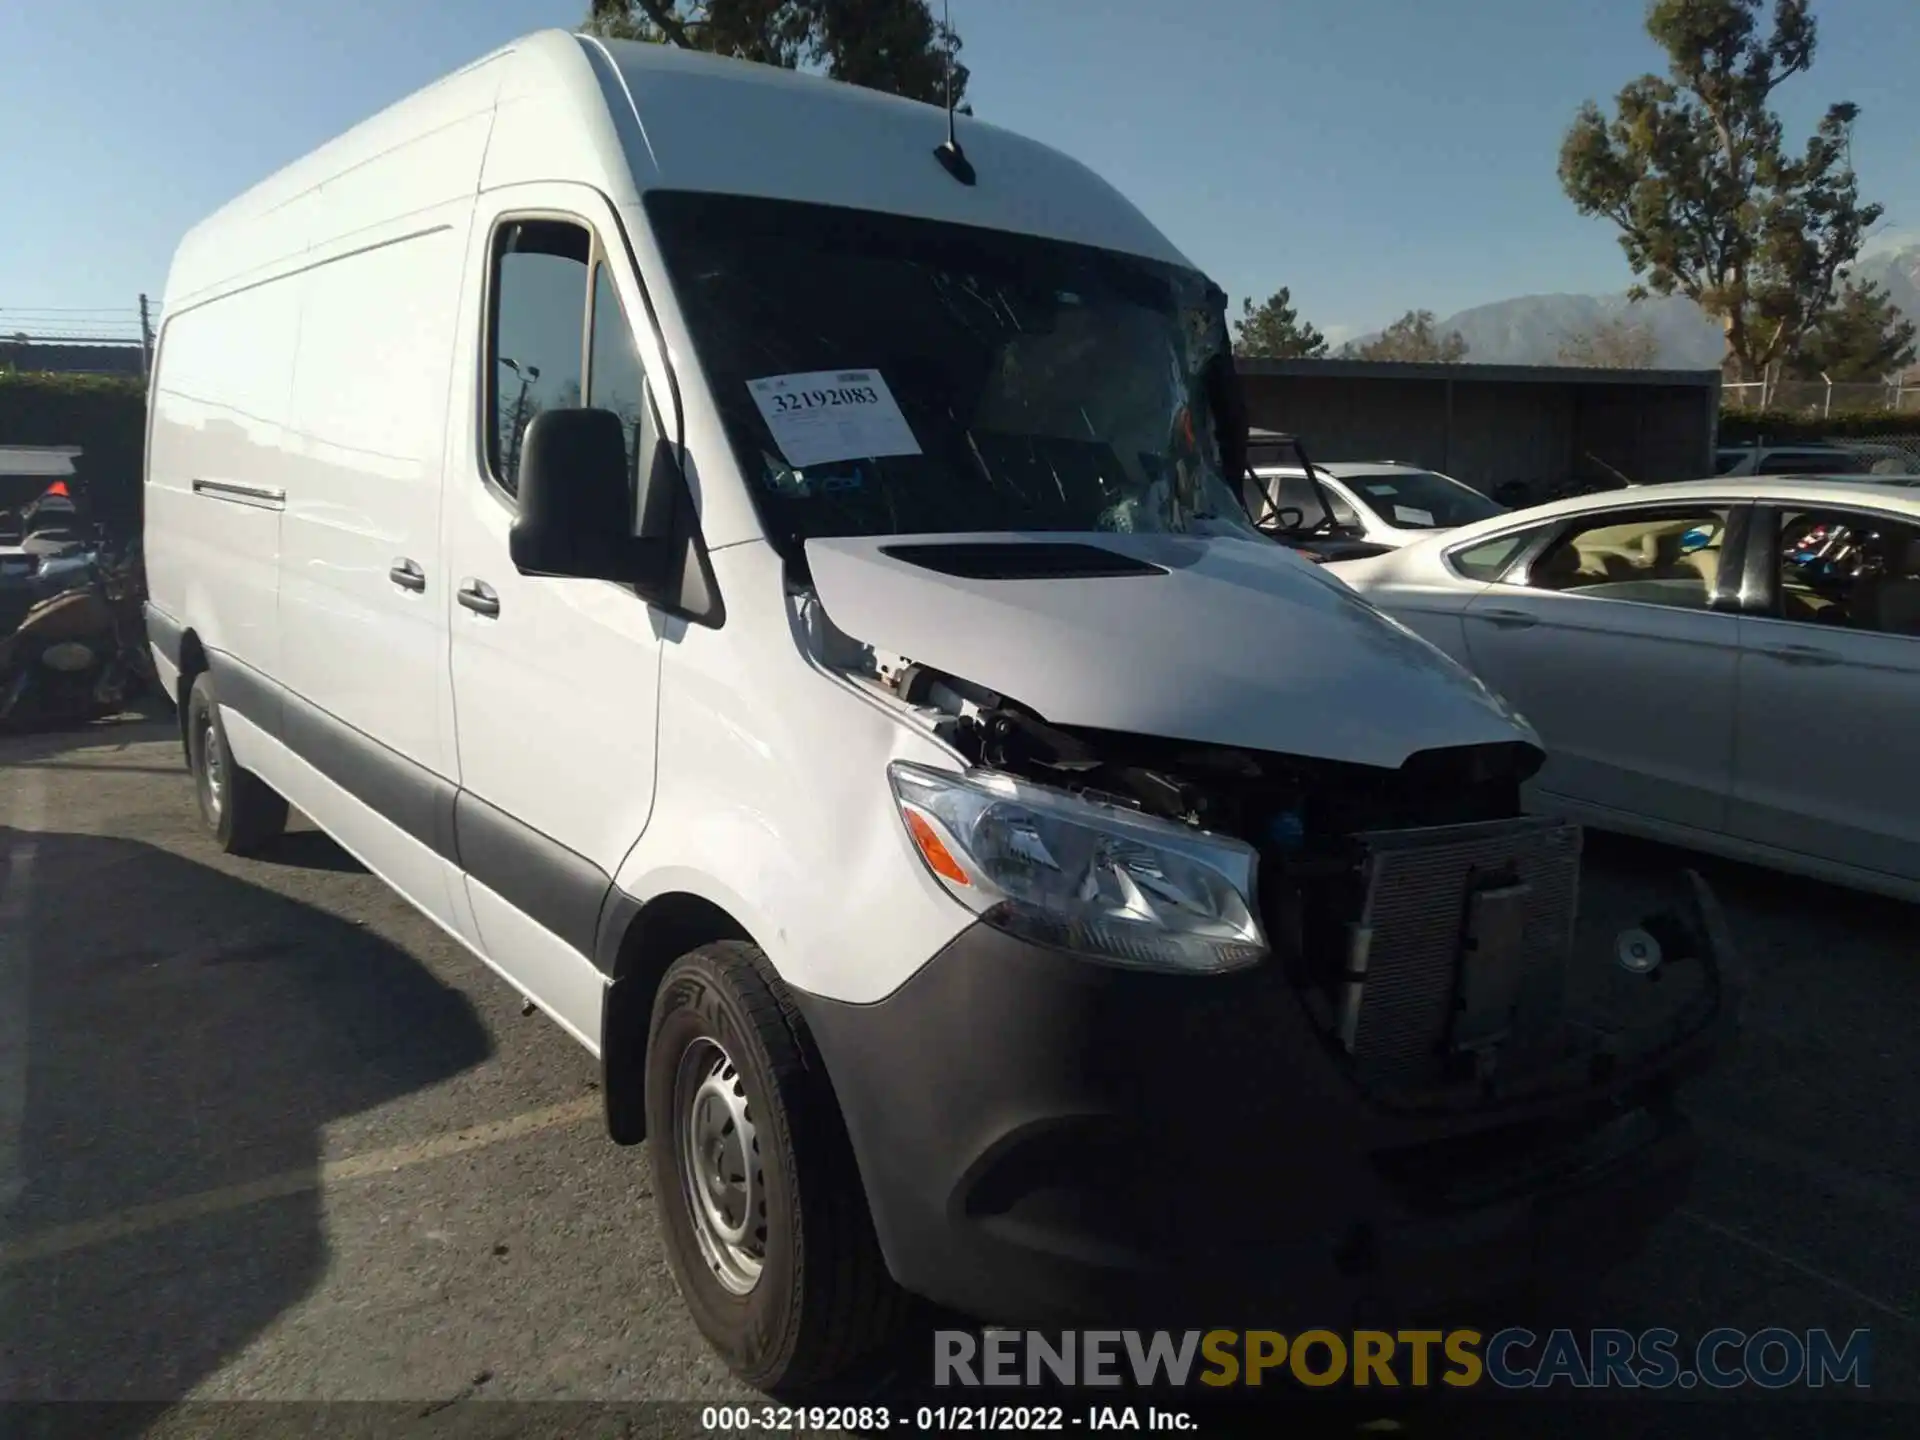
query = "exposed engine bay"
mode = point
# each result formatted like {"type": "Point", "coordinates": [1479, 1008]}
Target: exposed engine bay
{"type": "Point", "coordinates": [1429, 925]}
{"type": "Point", "coordinates": [1284, 801]}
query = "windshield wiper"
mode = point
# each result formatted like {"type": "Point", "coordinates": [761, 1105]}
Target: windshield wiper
{"type": "Point", "coordinates": [1327, 526]}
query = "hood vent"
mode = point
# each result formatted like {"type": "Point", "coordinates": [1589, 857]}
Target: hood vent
{"type": "Point", "coordinates": [1022, 561]}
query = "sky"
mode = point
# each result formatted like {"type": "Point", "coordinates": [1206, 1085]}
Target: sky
{"type": "Point", "coordinates": [1373, 155]}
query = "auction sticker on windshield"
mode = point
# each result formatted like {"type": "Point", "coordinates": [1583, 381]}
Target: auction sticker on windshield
{"type": "Point", "coordinates": [829, 415]}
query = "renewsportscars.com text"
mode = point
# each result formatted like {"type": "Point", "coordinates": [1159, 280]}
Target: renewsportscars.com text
{"type": "Point", "coordinates": [1513, 1359]}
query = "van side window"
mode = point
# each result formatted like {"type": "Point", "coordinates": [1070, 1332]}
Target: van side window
{"type": "Point", "coordinates": [615, 379]}
{"type": "Point", "coordinates": [537, 340]}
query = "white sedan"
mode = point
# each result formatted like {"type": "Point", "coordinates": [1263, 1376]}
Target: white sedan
{"type": "Point", "coordinates": [1379, 501]}
{"type": "Point", "coordinates": [1728, 664]}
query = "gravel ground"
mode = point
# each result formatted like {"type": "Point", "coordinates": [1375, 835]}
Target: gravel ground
{"type": "Point", "coordinates": [266, 1134]}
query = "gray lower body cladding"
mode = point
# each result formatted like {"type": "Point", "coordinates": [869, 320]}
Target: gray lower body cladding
{"type": "Point", "coordinates": [1045, 1141]}
{"type": "Point", "coordinates": [564, 892]}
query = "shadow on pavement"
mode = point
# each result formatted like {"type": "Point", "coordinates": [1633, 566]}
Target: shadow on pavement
{"type": "Point", "coordinates": [1823, 1064]}
{"type": "Point", "coordinates": [184, 1034]}
{"type": "Point", "coordinates": [308, 850]}
{"type": "Point", "coordinates": [152, 720]}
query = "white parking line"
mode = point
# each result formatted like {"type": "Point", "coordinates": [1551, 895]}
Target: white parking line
{"type": "Point", "coordinates": [141, 1219]}
{"type": "Point", "coordinates": [25, 815]}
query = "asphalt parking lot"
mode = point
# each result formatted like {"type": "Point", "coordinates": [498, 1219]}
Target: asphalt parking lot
{"type": "Point", "coordinates": [267, 1135]}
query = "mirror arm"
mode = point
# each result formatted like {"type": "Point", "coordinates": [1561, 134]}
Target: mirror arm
{"type": "Point", "coordinates": [1229, 416]}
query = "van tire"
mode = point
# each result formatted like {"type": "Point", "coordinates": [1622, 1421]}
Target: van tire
{"type": "Point", "coordinates": [822, 1300]}
{"type": "Point", "coordinates": [240, 810]}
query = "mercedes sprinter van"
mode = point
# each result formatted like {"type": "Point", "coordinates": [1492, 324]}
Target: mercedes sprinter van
{"type": "Point", "coordinates": [772, 582]}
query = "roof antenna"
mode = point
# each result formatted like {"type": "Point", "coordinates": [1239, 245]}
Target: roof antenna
{"type": "Point", "coordinates": [950, 155]}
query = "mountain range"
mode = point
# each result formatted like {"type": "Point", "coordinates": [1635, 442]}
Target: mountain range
{"type": "Point", "coordinates": [1530, 329]}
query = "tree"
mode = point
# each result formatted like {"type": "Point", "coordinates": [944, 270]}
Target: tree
{"type": "Point", "coordinates": [1619, 343]}
{"type": "Point", "coordinates": [892, 45]}
{"type": "Point", "coordinates": [1694, 172]}
{"type": "Point", "coordinates": [1275, 330]}
{"type": "Point", "coordinates": [1861, 336]}
{"type": "Point", "coordinates": [1413, 337]}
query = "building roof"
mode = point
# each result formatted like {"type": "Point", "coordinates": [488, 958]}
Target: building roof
{"type": "Point", "coordinates": [1474, 374]}
{"type": "Point", "coordinates": [54, 462]}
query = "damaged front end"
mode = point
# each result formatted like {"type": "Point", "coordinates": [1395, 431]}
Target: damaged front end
{"type": "Point", "coordinates": [1429, 928]}
{"type": "Point", "coordinates": [1441, 1086]}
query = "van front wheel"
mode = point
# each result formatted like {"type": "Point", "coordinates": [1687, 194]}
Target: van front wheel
{"type": "Point", "coordinates": [240, 809]}
{"type": "Point", "coordinates": [759, 1199]}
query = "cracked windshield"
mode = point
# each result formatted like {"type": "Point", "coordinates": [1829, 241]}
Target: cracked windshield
{"type": "Point", "coordinates": [937, 379]}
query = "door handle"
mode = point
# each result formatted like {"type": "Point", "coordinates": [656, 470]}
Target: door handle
{"type": "Point", "coordinates": [1510, 619]}
{"type": "Point", "coordinates": [479, 597]}
{"type": "Point", "coordinates": [1803, 655]}
{"type": "Point", "coordinates": [408, 575]}
{"type": "Point", "coordinates": [263, 497]}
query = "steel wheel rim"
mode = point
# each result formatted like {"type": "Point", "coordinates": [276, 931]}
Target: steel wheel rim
{"type": "Point", "coordinates": [721, 1177]}
{"type": "Point", "coordinates": [213, 769]}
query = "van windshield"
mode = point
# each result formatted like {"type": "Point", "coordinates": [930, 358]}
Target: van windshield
{"type": "Point", "coordinates": [880, 375]}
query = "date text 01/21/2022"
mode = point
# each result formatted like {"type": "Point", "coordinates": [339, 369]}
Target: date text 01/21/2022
{"type": "Point", "coordinates": [928, 1419]}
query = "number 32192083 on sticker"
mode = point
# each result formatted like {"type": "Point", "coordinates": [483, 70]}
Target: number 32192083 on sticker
{"type": "Point", "coordinates": [825, 416]}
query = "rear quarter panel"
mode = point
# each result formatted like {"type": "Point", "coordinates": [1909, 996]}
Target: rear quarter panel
{"type": "Point", "coordinates": [218, 413]}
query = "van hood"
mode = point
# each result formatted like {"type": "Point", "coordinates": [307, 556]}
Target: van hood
{"type": "Point", "coordinates": [1208, 639]}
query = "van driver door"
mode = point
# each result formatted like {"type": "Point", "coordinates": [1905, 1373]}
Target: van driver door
{"type": "Point", "coordinates": [554, 680]}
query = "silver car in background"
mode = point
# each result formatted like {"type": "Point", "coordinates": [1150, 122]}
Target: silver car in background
{"type": "Point", "coordinates": [1863, 458]}
{"type": "Point", "coordinates": [1730, 664]}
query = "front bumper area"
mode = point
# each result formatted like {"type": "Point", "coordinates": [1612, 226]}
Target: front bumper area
{"type": "Point", "coordinates": [1049, 1142]}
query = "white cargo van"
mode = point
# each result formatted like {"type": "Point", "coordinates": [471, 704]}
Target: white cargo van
{"type": "Point", "coordinates": [768, 583]}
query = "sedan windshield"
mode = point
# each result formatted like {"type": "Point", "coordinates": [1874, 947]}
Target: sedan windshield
{"type": "Point", "coordinates": [879, 375]}
{"type": "Point", "coordinates": [1420, 499]}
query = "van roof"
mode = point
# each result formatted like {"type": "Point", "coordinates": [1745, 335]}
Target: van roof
{"type": "Point", "coordinates": [802, 137]}
{"type": "Point", "coordinates": [629, 117]}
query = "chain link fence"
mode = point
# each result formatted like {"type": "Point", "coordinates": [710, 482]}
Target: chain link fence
{"type": "Point", "coordinates": [1806, 452]}
{"type": "Point", "coordinates": [1817, 398]}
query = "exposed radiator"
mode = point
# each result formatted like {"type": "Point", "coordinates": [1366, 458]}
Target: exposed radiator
{"type": "Point", "coordinates": [1461, 950]}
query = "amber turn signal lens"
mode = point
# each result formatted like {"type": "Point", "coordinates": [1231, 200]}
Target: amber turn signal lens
{"type": "Point", "coordinates": [938, 857]}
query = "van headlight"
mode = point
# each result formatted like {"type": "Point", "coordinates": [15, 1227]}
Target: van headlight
{"type": "Point", "coordinates": [1109, 883]}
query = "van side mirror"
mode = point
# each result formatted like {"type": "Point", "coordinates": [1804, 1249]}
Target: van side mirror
{"type": "Point", "coordinates": [576, 506]}
{"type": "Point", "coordinates": [578, 512]}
